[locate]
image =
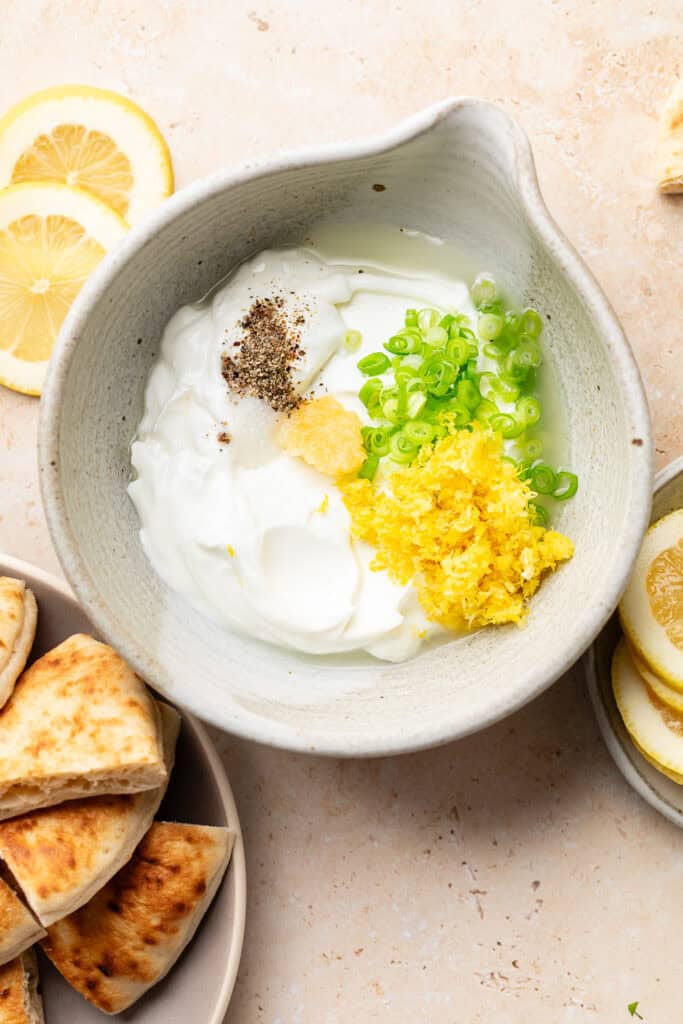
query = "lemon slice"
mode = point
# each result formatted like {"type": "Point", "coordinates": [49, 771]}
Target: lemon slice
{"type": "Point", "coordinates": [651, 609]}
{"type": "Point", "coordinates": [673, 698]}
{"type": "Point", "coordinates": [89, 138]}
{"type": "Point", "coordinates": [51, 238]}
{"type": "Point", "coordinates": [655, 728]}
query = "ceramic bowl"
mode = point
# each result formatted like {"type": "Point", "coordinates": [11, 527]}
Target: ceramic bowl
{"type": "Point", "coordinates": [659, 791]}
{"type": "Point", "coordinates": [199, 987]}
{"type": "Point", "coordinates": [461, 170]}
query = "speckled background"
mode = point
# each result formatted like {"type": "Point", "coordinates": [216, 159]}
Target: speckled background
{"type": "Point", "coordinates": [511, 877]}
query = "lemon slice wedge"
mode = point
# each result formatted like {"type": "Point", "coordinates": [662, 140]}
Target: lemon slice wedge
{"type": "Point", "coordinates": [655, 728]}
{"type": "Point", "coordinates": [667, 694]}
{"type": "Point", "coordinates": [651, 609]}
{"type": "Point", "coordinates": [91, 139]}
{"type": "Point", "coordinates": [51, 238]}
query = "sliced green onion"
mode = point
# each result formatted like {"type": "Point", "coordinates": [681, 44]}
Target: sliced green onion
{"type": "Point", "coordinates": [528, 353]}
{"type": "Point", "coordinates": [485, 410]}
{"type": "Point", "coordinates": [404, 344]}
{"type": "Point", "coordinates": [402, 448]}
{"type": "Point", "coordinates": [468, 393]}
{"type": "Point", "coordinates": [390, 410]}
{"type": "Point", "coordinates": [455, 412]}
{"type": "Point", "coordinates": [410, 318]}
{"type": "Point", "coordinates": [374, 364]}
{"type": "Point", "coordinates": [416, 403]}
{"type": "Point", "coordinates": [419, 431]}
{"type": "Point", "coordinates": [533, 449]}
{"type": "Point", "coordinates": [538, 513]}
{"type": "Point", "coordinates": [427, 318]}
{"type": "Point", "coordinates": [530, 323]}
{"type": "Point", "coordinates": [377, 442]}
{"type": "Point", "coordinates": [489, 326]}
{"type": "Point", "coordinates": [566, 485]}
{"type": "Point", "coordinates": [457, 351]}
{"type": "Point", "coordinates": [484, 290]}
{"type": "Point", "coordinates": [528, 410]}
{"type": "Point", "coordinates": [436, 336]}
{"type": "Point", "coordinates": [370, 392]}
{"type": "Point", "coordinates": [447, 321]}
{"type": "Point", "coordinates": [494, 351]}
{"type": "Point", "coordinates": [542, 478]}
{"type": "Point", "coordinates": [353, 341]}
{"type": "Point", "coordinates": [505, 392]}
{"type": "Point", "coordinates": [405, 374]}
{"type": "Point", "coordinates": [506, 425]}
{"type": "Point", "coordinates": [369, 468]}
{"type": "Point", "coordinates": [439, 375]}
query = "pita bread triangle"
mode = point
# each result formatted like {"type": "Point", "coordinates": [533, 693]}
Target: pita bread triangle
{"type": "Point", "coordinates": [132, 932]}
{"type": "Point", "coordinates": [18, 618]}
{"type": "Point", "coordinates": [79, 723]}
{"type": "Point", "coordinates": [20, 1001]}
{"type": "Point", "coordinates": [61, 856]}
{"type": "Point", "coordinates": [18, 927]}
{"type": "Point", "coordinates": [670, 149]}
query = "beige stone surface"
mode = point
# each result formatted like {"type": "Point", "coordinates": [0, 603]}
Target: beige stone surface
{"type": "Point", "coordinates": [512, 877]}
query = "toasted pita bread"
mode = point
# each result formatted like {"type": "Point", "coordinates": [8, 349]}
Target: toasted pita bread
{"type": "Point", "coordinates": [79, 723]}
{"type": "Point", "coordinates": [129, 936]}
{"type": "Point", "coordinates": [61, 856]}
{"type": "Point", "coordinates": [670, 154]}
{"type": "Point", "coordinates": [18, 617]}
{"type": "Point", "coordinates": [18, 928]}
{"type": "Point", "coordinates": [20, 1001]}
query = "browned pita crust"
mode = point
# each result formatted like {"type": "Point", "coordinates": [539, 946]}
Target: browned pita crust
{"type": "Point", "coordinates": [670, 152]}
{"type": "Point", "coordinates": [18, 927]}
{"type": "Point", "coordinates": [20, 1001]}
{"type": "Point", "coordinates": [61, 856]}
{"type": "Point", "coordinates": [79, 723]}
{"type": "Point", "coordinates": [130, 935]}
{"type": "Point", "coordinates": [18, 617]}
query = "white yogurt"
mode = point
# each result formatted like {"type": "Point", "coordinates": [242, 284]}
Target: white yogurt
{"type": "Point", "coordinates": [251, 536]}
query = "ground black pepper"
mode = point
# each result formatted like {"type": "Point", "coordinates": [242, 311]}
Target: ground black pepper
{"type": "Point", "coordinates": [262, 361]}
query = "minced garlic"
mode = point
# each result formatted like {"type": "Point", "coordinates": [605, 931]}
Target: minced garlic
{"type": "Point", "coordinates": [457, 522]}
{"type": "Point", "coordinates": [325, 435]}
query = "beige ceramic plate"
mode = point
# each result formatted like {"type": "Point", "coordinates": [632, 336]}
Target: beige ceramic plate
{"type": "Point", "coordinates": [199, 987]}
{"type": "Point", "coordinates": [659, 791]}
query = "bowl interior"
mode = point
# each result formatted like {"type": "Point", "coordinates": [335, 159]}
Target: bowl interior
{"type": "Point", "coordinates": [200, 984]}
{"type": "Point", "coordinates": [663, 793]}
{"type": "Point", "coordinates": [464, 173]}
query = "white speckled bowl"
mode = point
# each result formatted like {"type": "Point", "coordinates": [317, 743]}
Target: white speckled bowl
{"type": "Point", "coordinates": [462, 170]}
{"type": "Point", "coordinates": [659, 791]}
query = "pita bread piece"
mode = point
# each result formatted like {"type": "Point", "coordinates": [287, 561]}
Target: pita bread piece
{"type": "Point", "coordinates": [18, 618]}
{"type": "Point", "coordinates": [129, 936]}
{"type": "Point", "coordinates": [61, 856]}
{"type": "Point", "coordinates": [79, 723]}
{"type": "Point", "coordinates": [20, 1001]}
{"type": "Point", "coordinates": [18, 927]}
{"type": "Point", "coordinates": [670, 151]}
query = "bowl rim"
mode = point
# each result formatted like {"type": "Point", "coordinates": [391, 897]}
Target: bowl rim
{"type": "Point", "coordinates": [292, 736]}
{"type": "Point", "coordinates": [22, 569]}
{"type": "Point", "coordinates": [614, 743]}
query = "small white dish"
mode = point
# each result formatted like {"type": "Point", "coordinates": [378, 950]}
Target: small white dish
{"type": "Point", "coordinates": [660, 792]}
{"type": "Point", "coordinates": [200, 985]}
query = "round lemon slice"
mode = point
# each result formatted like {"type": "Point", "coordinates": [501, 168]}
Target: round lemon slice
{"type": "Point", "coordinates": [651, 609]}
{"type": "Point", "coordinates": [51, 238]}
{"type": "Point", "coordinates": [673, 698]}
{"type": "Point", "coordinates": [655, 728]}
{"type": "Point", "coordinates": [89, 138]}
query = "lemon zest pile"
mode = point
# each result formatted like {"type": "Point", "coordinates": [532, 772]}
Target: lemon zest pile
{"type": "Point", "coordinates": [457, 522]}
